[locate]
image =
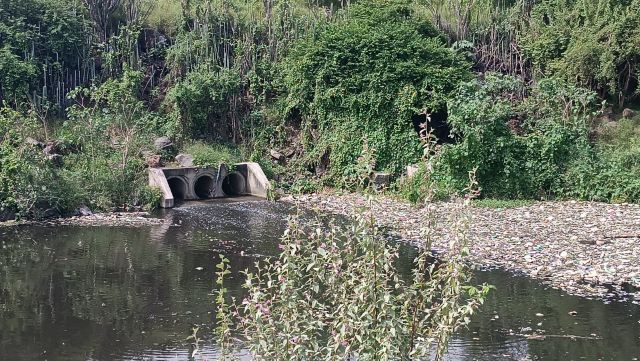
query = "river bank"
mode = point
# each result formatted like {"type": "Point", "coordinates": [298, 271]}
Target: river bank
{"type": "Point", "coordinates": [107, 219]}
{"type": "Point", "coordinates": [584, 248]}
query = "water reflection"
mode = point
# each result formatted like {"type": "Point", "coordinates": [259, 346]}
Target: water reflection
{"type": "Point", "coordinates": [107, 293]}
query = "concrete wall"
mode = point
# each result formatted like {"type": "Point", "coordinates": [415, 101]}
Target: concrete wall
{"type": "Point", "coordinates": [194, 183]}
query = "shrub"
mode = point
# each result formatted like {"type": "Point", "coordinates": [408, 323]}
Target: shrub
{"type": "Point", "coordinates": [519, 147]}
{"type": "Point", "coordinates": [28, 182]}
{"type": "Point", "coordinates": [213, 155]}
{"type": "Point", "coordinates": [414, 189]}
{"type": "Point", "coordinates": [591, 43]}
{"type": "Point", "coordinates": [202, 103]}
{"type": "Point", "coordinates": [363, 77]}
{"type": "Point", "coordinates": [610, 171]}
{"type": "Point", "coordinates": [336, 295]}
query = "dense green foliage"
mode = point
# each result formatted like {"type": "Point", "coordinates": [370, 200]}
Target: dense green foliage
{"type": "Point", "coordinates": [92, 160]}
{"type": "Point", "coordinates": [519, 147]}
{"type": "Point", "coordinates": [610, 171]}
{"type": "Point", "coordinates": [332, 87]}
{"type": "Point", "coordinates": [361, 79]}
{"type": "Point", "coordinates": [213, 155]}
{"type": "Point", "coordinates": [41, 41]}
{"type": "Point", "coordinates": [338, 294]}
{"type": "Point", "coordinates": [594, 43]}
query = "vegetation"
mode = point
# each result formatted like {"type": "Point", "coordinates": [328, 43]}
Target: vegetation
{"type": "Point", "coordinates": [519, 92]}
{"type": "Point", "coordinates": [336, 294]}
{"type": "Point", "coordinates": [213, 155]}
{"type": "Point", "coordinates": [359, 80]}
{"type": "Point", "coordinates": [338, 89]}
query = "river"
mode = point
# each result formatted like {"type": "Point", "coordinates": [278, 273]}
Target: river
{"type": "Point", "coordinates": [134, 293]}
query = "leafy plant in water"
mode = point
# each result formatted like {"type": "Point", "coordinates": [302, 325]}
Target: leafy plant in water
{"type": "Point", "coordinates": [224, 319]}
{"type": "Point", "coordinates": [334, 294]}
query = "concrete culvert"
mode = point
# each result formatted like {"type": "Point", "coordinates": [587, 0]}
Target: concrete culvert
{"type": "Point", "coordinates": [203, 187]}
{"type": "Point", "coordinates": [234, 184]}
{"type": "Point", "coordinates": [178, 188]}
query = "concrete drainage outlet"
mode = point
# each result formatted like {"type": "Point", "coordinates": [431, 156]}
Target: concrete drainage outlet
{"type": "Point", "coordinates": [234, 184]}
{"type": "Point", "coordinates": [179, 184]}
{"type": "Point", "coordinates": [204, 187]}
{"type": "Point", "coordinates": [178, 188]}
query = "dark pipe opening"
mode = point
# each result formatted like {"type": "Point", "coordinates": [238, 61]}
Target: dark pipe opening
{"type": "Point", "coordinates": [178, 188]}
{"type": "Point", "coordinates": [234, 184]}
{"type": "Point", "coordinates": [436, 123]}
{"type": "Point", "coordinates": [203, 187]}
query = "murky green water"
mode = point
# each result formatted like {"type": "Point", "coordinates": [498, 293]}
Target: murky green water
{"type": "Point", "coordinates": [114, 293]}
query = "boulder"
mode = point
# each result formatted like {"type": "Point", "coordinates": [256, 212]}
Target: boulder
{"type": "Point", "coordinates": [144, 153]}
{"type": "Point", "coordinates": [34, 142]}
{"type": "Point", "coordinates": [7, 214]}
{"type": "Point", "coordinates": [51, 148]}
{"type": "Point", "coordinates": [289, 152]}
{"type": "Point", "coordinates": [83, 211]}
{"type": "Point", "coordinates": [184, 160]}
{"type": "Point", "coordinates": [55, 159]}
{"type": "Point", "coordinates": [607, 114]}
{"type": "Point", "coordinates": [162, 143]}
{"type": "Point", "coordinates": [628, 113]}
{"type": "Point", "coordinates": [276, 155]}
{"type": "Point", "coordinates": [51, 213]}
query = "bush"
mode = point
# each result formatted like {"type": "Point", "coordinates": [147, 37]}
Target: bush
{"type": "Point", "coordinates": [202, 103]}
{"type": "Point", "coordinates": [40, 36]}
{"type": "Point", "coordinates": [361, 79]}
{"type": "Point", "coordinates": [28, 182]}
{"type": "Point", "coordinates": [336, 295]}
{"type": "Point", "coordinates": [610, 172]}
{"type": "Point", "coordinates": [519, 147]}
{"type": "Point", "coordinates": [415, 189]}
{"type": "Point", "coordinates": [590, 43]}
{"type": "Point", "coordinates": [213, 155]}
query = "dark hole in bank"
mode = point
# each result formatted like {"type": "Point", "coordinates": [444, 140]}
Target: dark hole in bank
{"type": "Point", "coordinates": [233, 184]}
{"type": "Point", "coordinates": [437, 124]}
{"type": "Point", "coordinates": [203, 187]}
{"type": "Point", "coordinates": [178, 188]}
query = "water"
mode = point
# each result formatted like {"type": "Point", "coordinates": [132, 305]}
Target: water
{"type": "Point", "coordinates": [119, 293]}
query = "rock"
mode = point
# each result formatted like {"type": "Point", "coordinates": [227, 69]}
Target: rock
{"type": "Point", "coordinates": [628, 113]}
{"type": "Point", "coordinates": [412, 170]}
{"type": "Point", "coordinates": [162, 143]}
{"type": "Point", "coordinates": [289, 152]}
{"type": "Point", "coordinates": [380, 180]}
{"type": "Point", "coordinates": [184, 160]}
{"type": "Point", "coordinates": [51, 147]}
{"type": "Point", "coordinates": [7, 214]}
{"type": "Point", "coordinates": [84, 211]}
{"type": "Point", "coordinates": [606, 115]}
{"type": "Point", "coordinates": [51, 213]}
{"type": "Point", "coordinates": [153, 161]}
{"type": "Point", "coordinates": [276, 155]}
{"type": "Point", "coordinates": [34, 142]}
